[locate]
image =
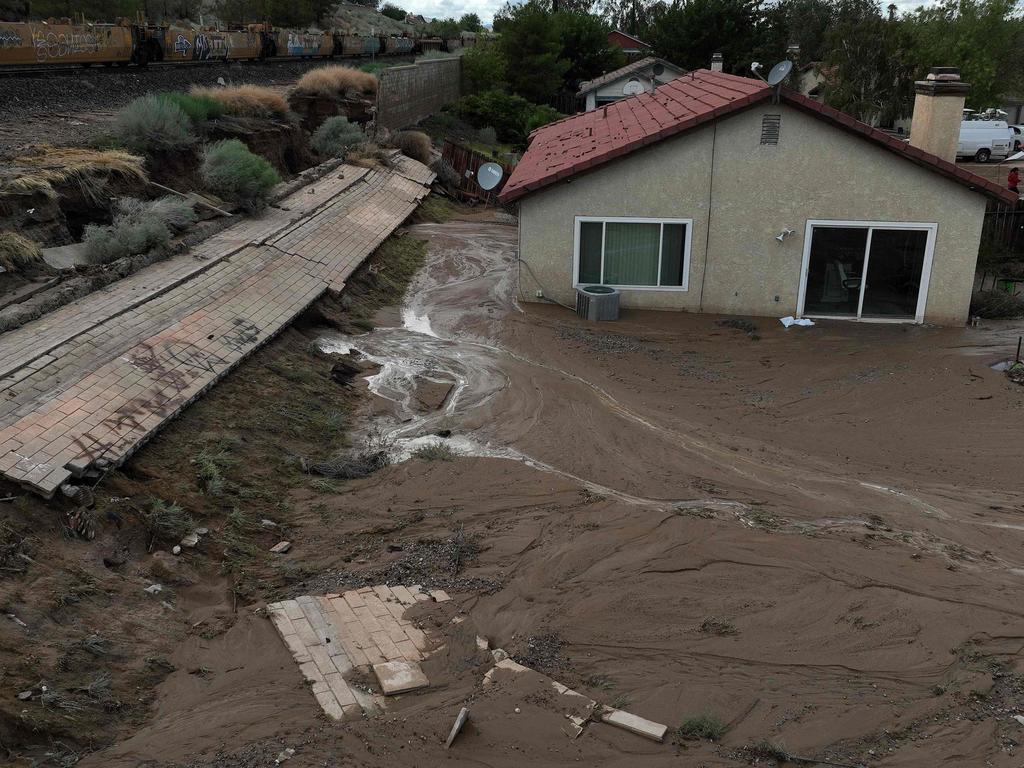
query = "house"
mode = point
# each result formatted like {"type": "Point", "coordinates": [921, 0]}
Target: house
{"type": "Point", "coordinates": [630, 46]}
{"type": "Point", "coordinates": [719, 193]}
{"type": "Point", "coordinates": [811, 81]}
{"type": "Point", "coordinates": [641, 76]}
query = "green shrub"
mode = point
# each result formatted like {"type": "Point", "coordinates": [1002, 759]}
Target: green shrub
{"type": "Point", "coordinates": [414, 144]}
{"type": "Point", "coordinates": [392, 11]}
{"type": "Point", "coordinates": [153, 124]}
{"type": "Point", "coordinates": [138, 227]}
{"type": "Point", "coordinates": [483, 68]}
{"type": "Point", "coordinates": [198, 107]}
{"type": "Point", "coordinates": [706, 726]}
{"type": "Point", "coordinates": [336, 136]}
{"type": "Point", "coordinates": [232, 172]}
{"type": "Point", "coordinates": [512, 117]}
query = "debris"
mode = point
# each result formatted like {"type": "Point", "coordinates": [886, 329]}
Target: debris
{"type": "Point", "coordinates": [399, 677]}
{"type": "Point", "coordinates": [176, 550]}
{"type": "Point", "coordinates": [202, 531]}
{"type": "Point", "coordinates": [518, 710]}
{"type": "Point", "coordinates": [1019, 719]}
{"type": "Point", "coordinates": [154, 589]}
{"type": "Point", "coordinates": [281, 547]}
{"type": "Point", "coordinates": [268, 523]}
{"type": "Point", "coordinates": [499, 654]}
{"type": "Point", "coordinates": [482, 644]}
{"type": "Point", "coordinates": [25, 695]}
{"type": "Point", "coordinates": [457, 726]}
{"type": "Point", "coordinates": [635, 724]}
{"type": "Point", "coordinates": [286, 754]}
{"type": "Point", "coordinates": [190, 541]}
{"type": "Point", "coordinates": [16, 620]}
{"type": "Point", "coordinates": [789, 320]}
{"type": "Point", "coordinates": [439, 595]}
{"type": "Point", "coordinates": [577, 725]}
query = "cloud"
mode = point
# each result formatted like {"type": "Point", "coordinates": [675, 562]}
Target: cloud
{"type": "Point", "coordinates": [442, 9]}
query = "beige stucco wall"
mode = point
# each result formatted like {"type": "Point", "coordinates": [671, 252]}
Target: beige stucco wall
{"type": "Point", "coordinates": [815, 172]}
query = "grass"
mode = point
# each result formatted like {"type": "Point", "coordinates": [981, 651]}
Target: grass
{"type": "Point", "coordinates": [997, 305]}
{"type": "Point", "coordinates": [198, 107]}
{"type": "Point", "coordinates": [165, 521]}
{"type": "Point", "coordinates": [152, 124]}
{"type": "Point", "coordinates": [232, 172]}
{"type": "Point", "coordinates": [87, 169]}
{"type": "Point", "coordinates": [414, 144]}
{"type": "Point", "coordinates": [435, 210]}
{"type": "Point", "coordinates": [435, 452]}
{"type": "Point", "coordinates": [706, 726]}
{"type": "Point", "coordinates": [333, 82]}
{"type": "Point", "coordinates": [621, 701]}
{"type": "Point", "coordinates": [599, 682]}
{"type": "Point", "coordinates": [246, 100]}
{"type": "Point", "coordinates": [19, 254]}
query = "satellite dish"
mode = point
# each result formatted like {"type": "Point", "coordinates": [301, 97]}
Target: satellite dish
{"type": "Point", "coordinates": [489, 176]}
{"type": "Point", "coordinates": [633, 87]}
{"type": "Point", "coordinates": [658, 69]}
{"type": "Point", "coordinates": [779, 72]}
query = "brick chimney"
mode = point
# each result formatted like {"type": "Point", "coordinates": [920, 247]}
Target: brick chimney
{"type": "Point", "coordinates": [716, 62]}
{"type": "Point", "coordinates": [938, 111]}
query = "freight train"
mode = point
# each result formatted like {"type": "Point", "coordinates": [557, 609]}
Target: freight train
{"type": "Point", "coordinates": [66, 43]}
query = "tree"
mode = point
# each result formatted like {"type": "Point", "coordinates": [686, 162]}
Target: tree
{"type": "Point", "coordinates": [584, 39]}
{"type": "Point", "coordinates": [533, 53]}
{"type": "Point", "coordinates": [689, 34]}
{"type": "Point", "coordinates": [470, 22]}
{"type": "Point", "coordinates": [483, 68]}
{"type": "Point", "coordinates": [392, 11]}
{"type": "Point", "coordinates": [446, 29]}
{"type": "Point", "coordinates": [866, 65]}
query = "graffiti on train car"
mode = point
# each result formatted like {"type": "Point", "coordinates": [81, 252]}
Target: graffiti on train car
{"type": "Point", "coordinates": [9, 38]}
{"type": "Point", "coordinates": [54, 45]}
{"type": "Point", "coordinates": [211, 47]}
{"type": "Point", "coordinates": [303, 43]}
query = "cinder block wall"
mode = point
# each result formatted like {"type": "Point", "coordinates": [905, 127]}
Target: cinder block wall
{"type": "Point", "coordinates": [409, 94]}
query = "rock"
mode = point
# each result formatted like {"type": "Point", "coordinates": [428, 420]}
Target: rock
{"type": "Point", "coordinates": [518, 710]}
{"type": "Point", "coordinates": [459, 722]}
{"type": "Point", "coordinates": [499, 654]}
{"type": "Point", "coordinates": [202, 531]}
{"type": "Point", "coordinates": [286, 754]}
{"type": "Point", "coordinates": [176, 549]}
{"type": "Point", "coordinates": [268, 523]}
{"type": "Point", "coordinates": [25, 695]}
{"type": "Point", "coordinates": [190, 541]}
{"type": "Point", "coordinates": [154, 589]}
{"type": "Point", "coordinates": [481, 643]}
{"type": "Point", "coordinates": [281, 547]}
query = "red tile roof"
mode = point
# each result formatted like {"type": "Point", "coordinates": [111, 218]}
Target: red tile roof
{"type": "Point", "coordinates": [580, 142]}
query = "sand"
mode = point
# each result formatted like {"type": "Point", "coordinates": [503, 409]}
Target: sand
{"type": "Point", "coordinates": [814, 536]}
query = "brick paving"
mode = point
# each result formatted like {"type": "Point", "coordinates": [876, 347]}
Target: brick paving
{"type": "Point", "coordinates": [334, 635]}
{"type": "Point", "coordinates": [87, 384]}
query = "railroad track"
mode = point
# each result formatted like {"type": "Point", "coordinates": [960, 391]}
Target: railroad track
{"type": "Point", "coordinates": [44, 71]}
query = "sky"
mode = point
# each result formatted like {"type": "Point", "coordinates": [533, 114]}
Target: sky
{"type": "Point", "coordinates": [485, 9]}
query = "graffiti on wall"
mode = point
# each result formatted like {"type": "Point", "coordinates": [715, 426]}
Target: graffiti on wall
{"type": "Point", "coordinates": [9, 38]}
{"type": "Point", "coordinates": [57, 45]}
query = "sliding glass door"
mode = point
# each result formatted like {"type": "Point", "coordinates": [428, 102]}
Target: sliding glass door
{"type": "Point", "coordinates": [870, 271]}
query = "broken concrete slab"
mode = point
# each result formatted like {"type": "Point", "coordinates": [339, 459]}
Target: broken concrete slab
{"type": "Point", "coordinates": [457, 726]}
{"type": "Point", "coordinates": [635, 724]}
{"type": "Point", "coordinates": [400, 677]}
{"type": "Point", "coordinates": [281, 547]}
{"type": "Point", "coordinates": [66, 256]}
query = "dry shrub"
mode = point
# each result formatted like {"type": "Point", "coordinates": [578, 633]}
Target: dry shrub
{"type": "Point", "coordinates": [414, 144]}
{"type": "Point", "coordinates": [369, 155]}
{"type": "Point", "coordinates": [139, 227]}
{"type": "Point", "coordinates": [18, 253]}
{"type": "Point", "coordinates": [90, 169]}
{"type": "Point", "coordinates": [246, 100]}
{"type": "Point", "coordinates": [332, 82]}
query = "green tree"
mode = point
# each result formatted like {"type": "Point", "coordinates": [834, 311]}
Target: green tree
{"type": "Point", "coordinates": [532, 51]}
{"type": "Point", "coordinates": [584, 39]}
{"type": "Point", "coordinates": [470, 23]}
{"type": "Point", "coordinates": [483, 68]}
{"type": "Point", "coordinates": [688, 34]}
{"type": "Point", "coordinates": [392, 11]}
{"type": "Point", "coordinates": [444, 28]}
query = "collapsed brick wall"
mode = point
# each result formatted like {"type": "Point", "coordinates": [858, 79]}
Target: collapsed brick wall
{"type": "Point", "coordinates": [409, 94]}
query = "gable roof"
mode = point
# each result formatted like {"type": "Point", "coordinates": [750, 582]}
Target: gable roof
{"type": "Point", "coordinates": [615, 74]}
{"type": "Point", "coordinates": [590, 139]}
{"type": "Point", "coordinates": [640, 43]}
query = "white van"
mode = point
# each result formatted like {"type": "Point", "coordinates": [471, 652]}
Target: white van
{"type": "Point", "coordinates": [984, 140]}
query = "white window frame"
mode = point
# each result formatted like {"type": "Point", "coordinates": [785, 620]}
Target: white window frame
{"type": "Point", "coordinates": [633, 220]}
{"type": "Point", "coordinates": [926, 268]}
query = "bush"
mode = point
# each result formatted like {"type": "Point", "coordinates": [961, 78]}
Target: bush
{"type": "Point", "coordinates": [414, 144]}
{"type": "Point", "coordinates": [336, 136]}
{"type": "Point", "coordinates": [997, 305]}
{"type": "Point", "coordinates": [392, 11]}
{"type": "Point", "coordinates": [197, 107]}
{"type": "Point", "coordinates": [483, 68]}
{"type": "Point", "coordinates": [706, 726]}
{"type": "Point", "coordinates": [488, 137]}
{"type": "Point", "coordinates": [512, 117]}
{"type": "Point", "coordinates": [231, 171]}
{"type": "Point", "coordinates": [246, 100]}
{"type": "Point", "coordinates": [138, 227]}
{"type": "Point", "coordinates": [332, 82]}
{"type": "Point", "coordinates": [153, 124]}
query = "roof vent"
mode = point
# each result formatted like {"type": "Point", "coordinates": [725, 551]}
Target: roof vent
{"type": "Point", "coordinates": [770, 126]}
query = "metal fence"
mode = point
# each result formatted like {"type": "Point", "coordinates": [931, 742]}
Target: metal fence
{"type": "Point", "coordinates": [466, 162]}
{"type": "Point", "coordinates": [1003, 231]}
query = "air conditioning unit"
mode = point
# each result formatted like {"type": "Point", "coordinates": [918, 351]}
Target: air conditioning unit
{"type": "Point", "coordinates": [597, 302]}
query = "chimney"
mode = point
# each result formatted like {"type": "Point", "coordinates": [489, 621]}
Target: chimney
{"type": "Point", "coordinates": [938, 111]}
{"type": "Point", "coordinates": [716, 62]}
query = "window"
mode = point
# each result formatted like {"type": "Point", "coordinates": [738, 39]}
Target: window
{"type": "Point", "coordinates": [770, 127]}
{"type": "Point", "coordinates": [645, 254]}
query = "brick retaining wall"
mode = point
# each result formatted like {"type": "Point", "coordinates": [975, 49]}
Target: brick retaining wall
{"type": "Point", "coordinates": [409, 94]}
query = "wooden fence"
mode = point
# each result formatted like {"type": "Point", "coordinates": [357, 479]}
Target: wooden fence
{"type": "Point", "coordinates": [466, 162]}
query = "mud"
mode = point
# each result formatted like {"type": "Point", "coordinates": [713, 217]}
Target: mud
{"type": "Point", "coordinates": [813, 536]}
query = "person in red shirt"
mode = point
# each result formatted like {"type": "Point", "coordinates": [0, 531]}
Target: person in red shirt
{"type": "Point", "coordinates": [1013, 180]}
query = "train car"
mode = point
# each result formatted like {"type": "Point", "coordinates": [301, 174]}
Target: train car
{"type": "Point", "coordinates": [398, 46]}
{"type": "Point", "coordinates": [468, 39]}
{"type": "Point", "coordinates": [348, 45]}
{"type": "Point", "coordinates": [27, 43]}
{"type": "Point", "coordinates": [429, 44]}
{"type": "Point", "coordinates": [371, 46]}
{"type": "Point", "coordinates": [452, 44]}
{"type": "Point", "coordinates": [186, 44]}
{"type": "Point", "coordinates": [303, 45]}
